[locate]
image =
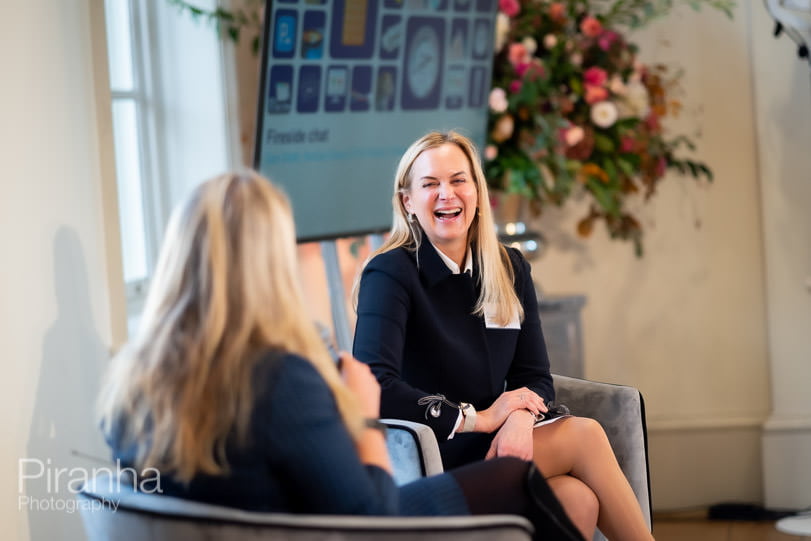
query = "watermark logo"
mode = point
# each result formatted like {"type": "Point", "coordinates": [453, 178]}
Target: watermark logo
{"type": "Point", "coordinates": [62, 484]}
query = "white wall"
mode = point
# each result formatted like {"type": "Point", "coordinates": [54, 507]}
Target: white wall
{"type": "Point", "coordinates": [59, 235]}
{"type": "Point", "coordinates": [686, 323]}
{"type": "Point", "coordinates": [62, 305]}
{"type": "Point", "coordinates": [783, 112]}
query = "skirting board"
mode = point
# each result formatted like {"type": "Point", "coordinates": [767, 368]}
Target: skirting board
{"type": "Point", "coordinates": [787, 463]}
{"type": "Point", "coordinates": [697, 467]}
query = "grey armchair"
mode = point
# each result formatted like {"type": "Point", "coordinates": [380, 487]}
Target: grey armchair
{"type": "Point", "coordinates": [113, 511]}
{"type": "Point", "coordinates": [620, 410]}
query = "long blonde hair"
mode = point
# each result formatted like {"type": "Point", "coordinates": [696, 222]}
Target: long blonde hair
{"type": "Point", "coordinates": [225, 291]}
{"type": "Point", "coordinates": [491, 256]}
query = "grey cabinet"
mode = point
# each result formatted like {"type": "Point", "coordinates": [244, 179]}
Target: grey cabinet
{"type": "Point", "coordinates": [563, 332]}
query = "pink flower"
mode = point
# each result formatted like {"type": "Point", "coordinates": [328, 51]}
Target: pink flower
{"type": "Point", "coordinates": [595, 76]}
{"type": "Point", "coordinates": [573, 135]}
{"type": "Point", "coordinates": [595, 94]}
{"type": "Point", "coordinates": [509, 7]}
{"type": "Point", "coordinates": [607, 39]}
{"type": "Point", "coordinates": [515, 86]}
{"type": "Point", "coordinates": [521, 69]}
{"type": "Point", "coordinates": [557, 11]}
{"type": "Point", "coordinates": [627, 144]}
{"type": "Point", "coordinates": [550, 41]}
{"type": "Point", "coordinates": [518, 54]}
{"type": "Point", "coordinates": [535, 70]}
{"type": "Point", "coordinates": [591, 27]}
{"type": "Point", "coordinates": [490, 152]}
{"type": "Point", "coordinates": [498, 100]}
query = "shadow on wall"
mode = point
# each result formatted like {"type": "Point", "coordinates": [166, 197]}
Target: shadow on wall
{"type": "Point", "coordinates": [63, 433]}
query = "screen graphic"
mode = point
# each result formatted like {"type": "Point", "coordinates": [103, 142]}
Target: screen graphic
{"type": "Point", "coordinates": [347, 85]}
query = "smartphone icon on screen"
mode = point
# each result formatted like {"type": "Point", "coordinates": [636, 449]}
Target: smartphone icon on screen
{"type": "Point", "coordinates": [284, 34]}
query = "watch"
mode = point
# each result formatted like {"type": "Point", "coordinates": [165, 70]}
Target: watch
{"type": "Point", "coordinates": [468, 417]}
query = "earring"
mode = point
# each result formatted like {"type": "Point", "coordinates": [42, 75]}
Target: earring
{"type": "Point", "coordinates": [412, 217]}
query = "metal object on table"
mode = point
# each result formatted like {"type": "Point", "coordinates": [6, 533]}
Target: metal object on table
{"type": "Point", "coordinates": [517, 235]}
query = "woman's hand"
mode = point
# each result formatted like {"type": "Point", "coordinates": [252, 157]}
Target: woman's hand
{"type": "Point", "coordinates": [360, 380]}
{"type": "Point", "coordinates": [514, 438]}
{"type": "Point", "coordinates": [493, 417]}
{"type": "Point", "coordinates": [371, 444]}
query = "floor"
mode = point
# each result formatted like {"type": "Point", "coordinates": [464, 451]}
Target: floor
{"type": "Point", "coordinates": [674, 527]}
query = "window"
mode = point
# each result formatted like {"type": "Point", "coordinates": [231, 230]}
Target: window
{"type": "Point", "coordinates": [170, 104]}
{"type": "Point", "coordinates": [130, 122]}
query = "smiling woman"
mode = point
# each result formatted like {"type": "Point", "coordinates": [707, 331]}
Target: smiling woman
{"type": "Point", "coordinates": [443, 307]}
{"type": "Point", "coordinates": [442, 198]}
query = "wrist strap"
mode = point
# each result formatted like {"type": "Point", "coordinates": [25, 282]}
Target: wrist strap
{"type": "Point", "coordinates": [469, 417]}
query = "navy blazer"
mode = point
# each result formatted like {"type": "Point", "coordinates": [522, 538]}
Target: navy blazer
{"type": "Point", "coordinates": [416, 330]}
{"type": "Point", "coordinates": [300, 458]}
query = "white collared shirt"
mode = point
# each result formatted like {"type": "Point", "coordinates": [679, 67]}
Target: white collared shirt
{"type": "Point", "coordinates": [452, 264]}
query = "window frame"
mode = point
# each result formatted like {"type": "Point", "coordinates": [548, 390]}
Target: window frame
{"type": "Point", "coordinates": [147, 94]}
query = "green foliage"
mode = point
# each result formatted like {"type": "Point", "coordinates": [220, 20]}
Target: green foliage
{"type": "Point", "coordinates": [637, 13]}
{"type": "Point", "coordinates": [230, 24]}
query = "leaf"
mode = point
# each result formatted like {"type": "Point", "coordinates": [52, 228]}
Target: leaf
{"type": "Point", "coordinates": [611, 170]}
{"type": "Point", "coordinates": [603, 197]}
{"type": "Point", "coordinates": [604, 143]}
{"type": "Point", "coordinates": [707, 172]}
{"type": "Point", "coordinates": [577, 85]}
{"type": "Point", "coordinates": [585, 226]}
{"type": "Point", "coordinates": [626, 166]}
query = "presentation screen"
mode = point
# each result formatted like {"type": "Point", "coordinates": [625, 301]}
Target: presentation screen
{"type": "Point", "coordinates": [347, 85]}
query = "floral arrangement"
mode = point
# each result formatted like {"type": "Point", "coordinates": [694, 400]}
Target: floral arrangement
{"type": "Point", "coordinates": [573, 110]}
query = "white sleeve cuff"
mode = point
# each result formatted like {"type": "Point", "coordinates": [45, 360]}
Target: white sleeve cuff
{"type": "Point", "coordinates": [458, 422]}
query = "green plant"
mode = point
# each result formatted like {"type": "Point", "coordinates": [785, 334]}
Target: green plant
{"type": "Point", "coordinates": [573, 110]}
{"type": "Point", "coordinates": [230, 23]}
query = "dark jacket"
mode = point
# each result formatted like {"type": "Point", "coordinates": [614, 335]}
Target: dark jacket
{"type": "Point", "coordinates": [300, 458]}
{"type": "Point", "coordinates": [416, 330]}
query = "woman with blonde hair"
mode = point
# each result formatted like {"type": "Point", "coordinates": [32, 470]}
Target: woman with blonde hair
{"type": "Point", "coordinates": [229, 392]}
{"type": "Point", "coordinates": [447, 319]}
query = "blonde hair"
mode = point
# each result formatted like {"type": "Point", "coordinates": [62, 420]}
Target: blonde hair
{"type": "Point", "coordinates": [491, 256]}
{"type": "Point", "coordinates": [225, 291]}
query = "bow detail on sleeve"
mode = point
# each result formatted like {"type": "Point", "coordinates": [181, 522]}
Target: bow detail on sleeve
{"type": "Point", "coordinates": [434, 404]}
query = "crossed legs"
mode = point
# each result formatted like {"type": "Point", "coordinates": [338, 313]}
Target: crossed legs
{"type": "Point", "coordinates": [578, 500]}
{"type": "Point", "coordinates": [575, 456]}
